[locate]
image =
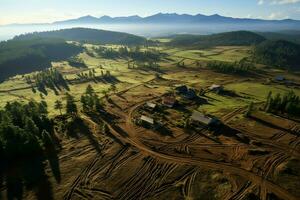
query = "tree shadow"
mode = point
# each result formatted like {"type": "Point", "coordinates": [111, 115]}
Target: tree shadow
{"type": "Point", "coordinates": [52, 157]}
{"type": "Point", "coordinates": [27, 173]}
{"type": "Point", "coordinates": [231, 132]}
{"type": "Point", "coordinates": [163, 130]}
{"type": "Point", "coordinates": [229, 93]}
{"type": "Point", "coordinates": [79, 127]}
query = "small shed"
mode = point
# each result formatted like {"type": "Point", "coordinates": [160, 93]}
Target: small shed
{"type": "Point", "coordinates": [279, 78]}
{"type": "Point", "coordinates": [186, 92]}
{"type": "Point", "coordinates": [190, 94]}
{"type": "Point", "coordinates": [182, 89]}
{"type": "Point", "coordinates": [151, 105]}
{"type": "Point", "coordinates": [203, 119]}
{"type": "Point", "coordinates": [216, 88]}
{"type": "Point", "coordinates": [169, 101]}
{"type": "Point", "coordinates": [147, 120]}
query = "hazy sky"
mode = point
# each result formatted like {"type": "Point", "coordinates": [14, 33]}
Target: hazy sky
{"type": "Point", "coordinates": [35, 11]}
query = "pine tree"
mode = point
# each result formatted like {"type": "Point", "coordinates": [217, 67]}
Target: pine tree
{"type": "Point", "coordinates": [43, 108]}
{"type": "Point", "coordinates": [250, 109]}
{"type": "Point", "coordinates": [90, 74]}
{"type": "Point", "coordinates": [267, 105]}
{"type": "Point", "coordinates": [113, 88]}
{"type": "Point", "coordinates": [104, 128]}
{"type": "Point", "coordinates": [97, 102]}
{"type": "Point", "coordinates": [47, 140]}
{"type": "Point", "coordinates": [89, 90]}
{"type": "Point", "coordinates": [105, 93]}
{"type": "Point", "coordinates": [276, 102]}
{"type": "Point", "coordinates": [83, 101]}
{"type": "Point", "coordinates": [31, 127]}
{"type": "Point", "coordinates": [58, 106]}
{"type": "Point", "coordinates": [71, 107]}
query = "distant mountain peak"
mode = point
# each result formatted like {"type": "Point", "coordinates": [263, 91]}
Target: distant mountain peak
{"type": "Point", "coordinates": [106, 17]}
{"type": "Point", "coordinates": [215, 15]}
{"type": "Point", "coordinates": [135, 16]}
{"type": "Point", "coordinates": [88, 17]}
{"type": "Point", "coordinates": [174, 18]}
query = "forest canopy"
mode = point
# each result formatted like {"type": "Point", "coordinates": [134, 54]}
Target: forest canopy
{"type": "Point", "coordinates": [88, 35]}
{"type": "Point", "coordinates": [20, 57]}
{"type": "Point", "coordinates": [280, 53]}
{"type": "Point", "coordinates": [236, 38]}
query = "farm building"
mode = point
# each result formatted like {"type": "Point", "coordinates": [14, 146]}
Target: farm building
{"type": "Point", "coordinates": [186, 92]}
{"type": "Point", "coordinates": [198, 117]}
{"type": "Point", "coordinates": [190, 94]}
{"type": "Point", "coordinates": [216, 88]}
{"type": "Point", "coordinates": [169, 101]}
{"type": "Point", "coordinates": [147, 120]}
{"type": "Point", "coordinates": [289, 82]}
{"type": "Point", "coordinates": [279, 78]}
{"type": "Point", "coordinates": [182, 89]}
{"type": "Point", "coordinates": [150, 105]}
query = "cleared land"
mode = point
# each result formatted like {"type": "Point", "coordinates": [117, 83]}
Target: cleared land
{"type": "Point", "coordinates": [255, 157]}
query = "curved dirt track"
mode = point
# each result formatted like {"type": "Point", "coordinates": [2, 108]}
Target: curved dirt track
{"type": "Point", "coordinates": [255, 179]}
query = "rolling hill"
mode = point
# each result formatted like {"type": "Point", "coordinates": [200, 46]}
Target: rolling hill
{"type": "Point", "coordinates": [20, 57]}
{"type": "Point", "coordinates": [280, 53]}
{"type": "Point", "coordinates": [87, 35]}
{"type": "Point", "coordinates": [237, 38]}
{"type": "Point", "coordinates": [291, 36]}
{"type": "Point", "coordinates": [159, 25]}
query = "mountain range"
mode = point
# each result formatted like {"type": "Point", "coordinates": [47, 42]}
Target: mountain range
{"type": "Point", "coordinates": [159, 25]}
{"type": "Point", "coordinates": [173, 18]}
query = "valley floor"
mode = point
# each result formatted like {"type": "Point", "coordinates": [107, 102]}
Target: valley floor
{"type": "Point", "coordinates": [254, 157]}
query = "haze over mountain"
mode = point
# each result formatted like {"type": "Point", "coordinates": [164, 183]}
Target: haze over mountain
{"type": "Point", "coordinates": [174, 18]}
{"type": "Point", "coordinates": [158, 25]}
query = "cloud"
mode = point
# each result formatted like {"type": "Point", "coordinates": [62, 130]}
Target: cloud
{"type": "Point", "coordinates": [46, 15]}
{"type": "Point", "coordinates": [277, 15]}
{"type": "Point", "coordinates": [260, 2]}
{"type": "Point", "coordinates": [277, 2]}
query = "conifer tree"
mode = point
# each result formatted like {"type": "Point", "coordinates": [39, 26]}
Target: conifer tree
{"type": "Point", "coordinates": [71, 107]}
{"type": "Point", "coordinates": [58, 106]}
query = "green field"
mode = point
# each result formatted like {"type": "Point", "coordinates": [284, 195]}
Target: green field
{"type": "Point", "coordinates": [191, 75]}
{"type": "Point", "coordinates": [226, 54]}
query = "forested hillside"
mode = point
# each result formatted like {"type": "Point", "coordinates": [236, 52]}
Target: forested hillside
{"type": "Point", "coordinates": [293, 36]}
{"type": "Point", "coordinates": [237, 38]}
{"type": "Point", "coordinates": [88, 35]}
{"type": "Point", "coordinates": [26, 142]}
{"type": "Point", "coordinates": [19, 57]}
{"type": "Point", "coordinates": [278, 53]}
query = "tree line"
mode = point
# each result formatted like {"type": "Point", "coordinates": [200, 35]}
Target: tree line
{"type": "Point", "coordinates": [90, 101]}
{"type": "Point", "coordinates": [105, 76]}
{"type": "Point", "coordinates": [280, 53]}
{"type": "Point", "coordinates": [240, 67]}
{"type": "Point", "coordinates": [77, 62]}
{"type": "Point", "coordinates": [130, 53]}
{"type": "Point", "coordinates": [26, 141]}
{"type": "Point", "coordinates": [288, 103]}
{"type": "Point", "coordinates": [26, 56]}
{"type": "Point", "coordinates": [49, 78]}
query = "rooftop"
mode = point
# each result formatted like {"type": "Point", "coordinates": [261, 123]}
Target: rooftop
{"type": "Point", "coordinates": [151, 105]}
{"type": "Point", "coordinates": [280, 78]}
{"type": "Point", "coordinates": [169, 100]}
{"type": "Point", "coordinates": [214, 86]}
{"type": "Point", "coordinates": [197, 116]}
{"type": "Point", "coordinates": [147, 119]}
